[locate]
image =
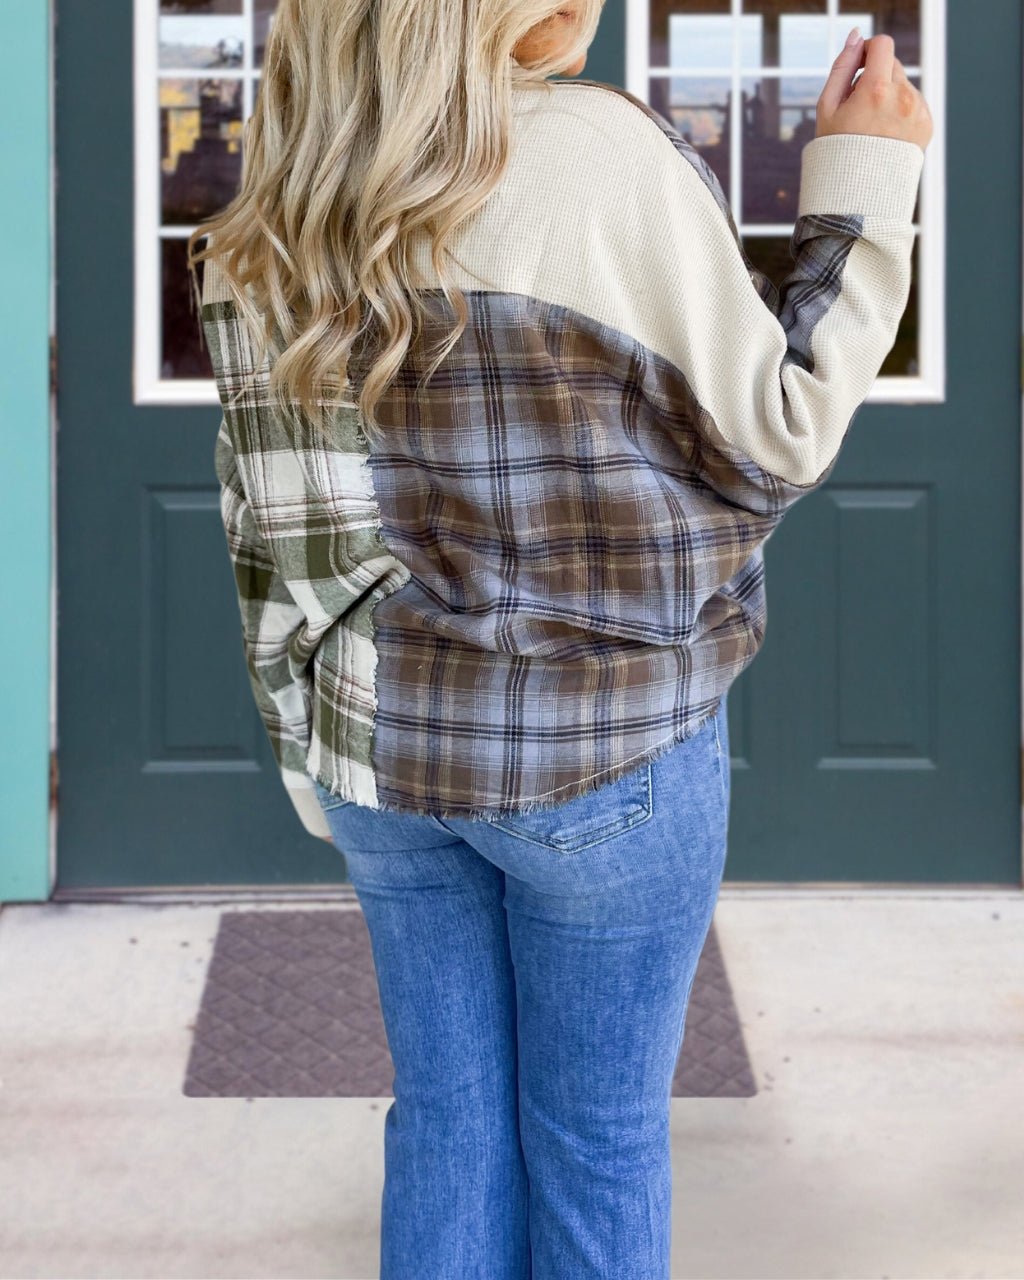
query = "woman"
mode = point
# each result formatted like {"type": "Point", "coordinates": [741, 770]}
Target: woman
{"type": "Point", "coordinates": [508, 417]}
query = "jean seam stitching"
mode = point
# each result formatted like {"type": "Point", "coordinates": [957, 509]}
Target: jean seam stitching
{"type": "Point", "coordinates": [603, 834]}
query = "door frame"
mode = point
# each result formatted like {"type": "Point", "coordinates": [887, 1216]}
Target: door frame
{"type": "Point", "coordinates": [27, 457]}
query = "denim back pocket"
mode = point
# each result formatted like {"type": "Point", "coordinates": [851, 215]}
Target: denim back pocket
{"type": "Point", "coordinates": [587, 819]}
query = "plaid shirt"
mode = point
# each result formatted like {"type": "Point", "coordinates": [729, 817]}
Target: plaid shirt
{"type": "Point", "coordinates": [552, 568]}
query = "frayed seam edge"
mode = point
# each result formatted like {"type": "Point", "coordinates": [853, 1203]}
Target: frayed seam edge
{"type": "Point", "coordinates": [486, 813]}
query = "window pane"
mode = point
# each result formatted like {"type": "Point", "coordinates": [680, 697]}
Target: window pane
{"type": "Point", "coordinates": [263, 16]}
{"type": "Point", "coordinates": [698, 106]}
{"type": "Point", "coordinates": [771, 255]}
{"type": "Point", "coordinates": [710, 26]}
{"type": "Point", "coordinates": [197, 43]}
{"type": "Point", "coordinates": [704, 43]}
{"type": "Point", "coordinates": [200, 147]}
{"type": "Point", "coordinates": [779, 119]}
{"type": "Point", "coordinates": [182, 354]}
{"type": "Point", "coordinates": [794, 33]}
{"type": "Point", "coordinates": [900, 19]}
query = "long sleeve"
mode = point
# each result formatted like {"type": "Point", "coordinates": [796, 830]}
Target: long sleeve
{"type": "Point", "coordinates": [271, 622]}
{"type": "Point", "coordinates": [777, 375]}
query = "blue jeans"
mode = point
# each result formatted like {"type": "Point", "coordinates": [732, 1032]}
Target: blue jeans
{"type": "Point", "coordinates": [534, 974]}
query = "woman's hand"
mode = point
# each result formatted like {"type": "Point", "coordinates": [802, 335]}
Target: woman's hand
{"type": "Point", "coordinates": [883, 102]}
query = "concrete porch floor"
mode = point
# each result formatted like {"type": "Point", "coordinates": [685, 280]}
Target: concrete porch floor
{"type": "Point", "coordinates": [885, 1028]}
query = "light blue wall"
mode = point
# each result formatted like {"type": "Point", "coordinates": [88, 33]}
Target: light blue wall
{"type": "Point", "coordinates": [25, 452]}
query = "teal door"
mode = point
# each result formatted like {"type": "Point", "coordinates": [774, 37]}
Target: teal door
{"type": "Point", "coordinates": [876, 736]}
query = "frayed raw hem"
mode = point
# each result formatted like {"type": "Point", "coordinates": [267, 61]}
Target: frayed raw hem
{"type": "Point", "coordinates": [587, 787]}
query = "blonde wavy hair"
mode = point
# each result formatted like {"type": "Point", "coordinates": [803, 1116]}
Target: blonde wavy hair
{"type": "Point", "coordinates": [374, 121]}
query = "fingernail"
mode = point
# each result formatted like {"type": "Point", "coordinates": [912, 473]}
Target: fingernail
{"type": "Point", "coordinates": [853, 38]}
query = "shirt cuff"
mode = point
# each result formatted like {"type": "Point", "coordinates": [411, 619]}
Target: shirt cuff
{"type": "Point", "coordinates": [860, 173]}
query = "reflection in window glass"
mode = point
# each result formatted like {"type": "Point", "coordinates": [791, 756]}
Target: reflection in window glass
{"type": "Point", "coordinates": [700, 43]}
{"type": "Point", "coordinates": [199, 43]}
{"type": "Point", "coordinates": [182, 354]}
{"type": "Point", "coordinates": [774, 9]}
{"type": "Point", "coordinates": [200, 6]}
{"type": "Point", "coordinates": [795, 34]}
{"type": "Point", "coordinates": [900, 19]}
{"type": "Point", "coordinates": [663, 12]}
{"type": "Point", "coordinates": [779, 119]}
{"type": "Point", "coordinates": [771, 255]}
{"type": "Point", "coordinates": [201, 132]}
{"type": "Point", "coordinates": [200, 147]}
{"type": "Point", "coordinates": [803, 42]}
{"type": "Point", "coordinates": [698, 107]}
{"type": "Point", "coordinates": [263, 15]}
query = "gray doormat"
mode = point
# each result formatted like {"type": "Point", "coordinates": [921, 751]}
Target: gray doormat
{"type": "Point", "coordinates": [290, 1010]}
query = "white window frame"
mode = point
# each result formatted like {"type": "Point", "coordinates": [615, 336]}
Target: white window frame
{"type": "Point", "coordinates": [928, 386]}
{"type": "Point", "coordinates": [148, 387]}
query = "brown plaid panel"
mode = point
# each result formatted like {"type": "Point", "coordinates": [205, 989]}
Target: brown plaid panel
{"type": "Point", "coordinates": [579, 596]}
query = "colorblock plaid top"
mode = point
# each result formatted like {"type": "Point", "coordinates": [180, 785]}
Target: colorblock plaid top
{"type": "Point", "coordinates": [553, 567]}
